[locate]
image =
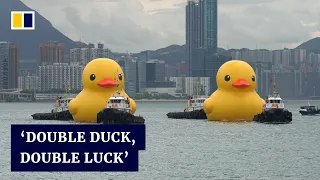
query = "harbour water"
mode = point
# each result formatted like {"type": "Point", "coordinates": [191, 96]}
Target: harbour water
{"type": "Point", "coordinates": [195, 149]}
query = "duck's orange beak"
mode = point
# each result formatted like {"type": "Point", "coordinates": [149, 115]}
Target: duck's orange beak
{"type": "Point", "coordinates": [107, 82]}
{"type": "Point", "coordinates": [241, 83]}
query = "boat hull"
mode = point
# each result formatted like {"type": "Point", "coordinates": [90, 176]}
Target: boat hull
{"type": "Point", "coordinates": [116, 116]}
{"type": "Point", "coordinates": [306, 113]}
{"type": "Point", "coordinates": [62, 116]}
{"type": "Point", "coordinates": [274, 116]}
{"type": "Point", "coordinates": [196, 114]}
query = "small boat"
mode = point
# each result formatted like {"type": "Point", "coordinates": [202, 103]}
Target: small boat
{"type": "Point", "coordinates": [61, 104]}
{"type": "Point", "coordinates": [119, 102]}
{"type": "Point", "coordinates": [274, 111]}
{"type": "Point", "coordinates": [194, 108]}
{"type": "Point", "coordinates": [195, 104]}
{"type": "Point", "coordinates": [60, 110]}
{"type": "Point", "coordinates": [118, 112]}
{"type": "Point", "coordinates": [309, 110]}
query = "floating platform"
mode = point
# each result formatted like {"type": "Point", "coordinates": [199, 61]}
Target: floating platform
{"type": "Point", "coordinates": [197, 114]}
{"type": "Point", "coordinates": [115, 116]}
{"type": "Point", "coordinates": [274, 116]}
{"type": "Point", "coordinates": [62, 116]}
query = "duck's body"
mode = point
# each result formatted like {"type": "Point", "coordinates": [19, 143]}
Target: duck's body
{"type": "Point", "coordinates": [231, 106]}
{"type": "Point", "coordinates": [101, 79]}
{"type": "Point", "coordinates": [236, 98]}
{"type": "Point", "coordinates": [85, 106]}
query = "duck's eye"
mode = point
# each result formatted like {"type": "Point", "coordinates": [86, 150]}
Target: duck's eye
{"type": "Point", "coordinates": [227, 78]}
{"type": "Point", "coordinates": [120, 77]}
{"type": "Point", "coordinates": [253, 78]}
{"type": "Point", "coordinates": [92, 77]}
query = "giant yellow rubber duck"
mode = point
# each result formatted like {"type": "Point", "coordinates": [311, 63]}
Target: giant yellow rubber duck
{"type": "Point", "coordinates": [236, 97]}
{"type": "Point", "coordinates": [101, 79]}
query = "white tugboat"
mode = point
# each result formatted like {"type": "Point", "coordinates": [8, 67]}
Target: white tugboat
{"type": "Point", "coordinates": [273, 101]}
{"type": "Point", "coordinates": [61, 105]}
{"type": "Point", "coordinates": [194, 108]}
{"type": "Point", "coordinates": [274, 111]}
{"type": "Point", "coordinates": [60, 110]}
{"type": "Point", "coordinates": [196, 102]}
{"type": "Point", "coordinates": [62, 102]}
{"type": "Point", "coordinates": [119, 102]}
{"type": "Point", "coordinates": [118, 111]}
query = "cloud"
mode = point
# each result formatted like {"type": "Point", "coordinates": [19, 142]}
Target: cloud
{"type": "Point", "coordinates": [137, 25]}
{"type": "Point", "coordinates": [233, 2]}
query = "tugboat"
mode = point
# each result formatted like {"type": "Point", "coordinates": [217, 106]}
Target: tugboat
{"type": "Point", "coordinates": [273, 111]}
{"type": "Point", "coordinates": [60, 109]}
{"type": "Point", "coordinates": [61, 104]}
{"type": "Point", "coordinates": [117, 111]}
{"type": "Point", "coordinates": [309, 110]}
{"type": "Point", "coordinates": [194, 108]}
{"type": "Point", "coordinates": [119, 102]}
{"type": "Point", "coordinates": [195, 104]}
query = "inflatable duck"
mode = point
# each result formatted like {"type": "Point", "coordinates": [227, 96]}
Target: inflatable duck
{"type": "Point", "coordinates": [101, 79]}
{"type": "Point", "coordinates": [236, 97]}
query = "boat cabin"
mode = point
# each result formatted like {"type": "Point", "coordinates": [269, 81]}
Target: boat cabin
{"type": "Point", "coordinates": [62, 104]}
{"type": "Point", "coordinates": [309, 108]}
{"type": "Point", "coordinates": [274, 102]}
{"type": "Point", "coordinates": [195, 104]}
{"type": "Point", "coordinates": [119, 102]}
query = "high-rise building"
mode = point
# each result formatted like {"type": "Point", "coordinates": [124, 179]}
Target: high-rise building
{"type": "Point", "coordinates": [8, 65]}
{"type": "Point", "coordinates": [28, 82]}
{"type": "Point", "coordinates": [201, 28]}
{"type": "Point", "coordinates": [192, 85]}
{"type": "Point", "coordinates": [51, 52]}
{"type": "Point", "coordinates": [156, 71]}
{"type": "Point", "coordinates": [286, 56]}
{"type": "Point", "coordinates": [171, 70]}
{"type": "Point", "coordinates": [182, 69]}
{"type": "Point", "coordinates": [207, 65]}
{"type": "Point", "coordinates": [144, 56]}
{"type": "Point", "coordinates": [129, 68]}
{"type": "Point", "coordinates": [83, 55]}
{"type": "Point", "coordinates": [141, 76]}
{"type": "Point", "coordinates": [250, 56]}
{"type": "Point", "coordinates": [60, 76]}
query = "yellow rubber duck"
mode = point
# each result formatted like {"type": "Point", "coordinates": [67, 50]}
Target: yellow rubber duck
{"type": "Point", "coordinates": [236, 97]}
{"type": "Point", "coordinates": [101, 79]}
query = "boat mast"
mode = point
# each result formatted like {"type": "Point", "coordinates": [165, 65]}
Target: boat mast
{"type": "Point", "coordinates": [67, 88]}
{"type": "Point", "coordinates": [198, 88]}
{"type": "Point", "coordinates": [274, 90]}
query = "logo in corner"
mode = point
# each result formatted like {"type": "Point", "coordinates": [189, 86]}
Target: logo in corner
{"type": "Point", "coordinates": [22, 20]}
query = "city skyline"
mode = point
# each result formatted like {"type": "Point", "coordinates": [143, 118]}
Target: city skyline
{"type": "Point", "coordinates": [251, 23]}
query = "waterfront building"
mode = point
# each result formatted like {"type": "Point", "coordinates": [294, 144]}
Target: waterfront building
{"type": "Point", "coordinates": [60, 76]}
{"type": "Point", "coordinates": [28, 82]}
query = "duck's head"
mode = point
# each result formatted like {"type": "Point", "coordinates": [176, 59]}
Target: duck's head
{"type": "Point", "coordinates": [236, 75]}
{"type": "Point", "coordinates": [102, 75]}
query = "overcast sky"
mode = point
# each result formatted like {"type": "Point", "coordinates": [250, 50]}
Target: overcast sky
{"type": "Point", "coordinates": [136, 25]}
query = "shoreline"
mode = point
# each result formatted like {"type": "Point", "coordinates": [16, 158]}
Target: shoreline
{"type": "Point", "coordinates": [160, 100]}
{"type": "Point", "coordinates": [152, 100]}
